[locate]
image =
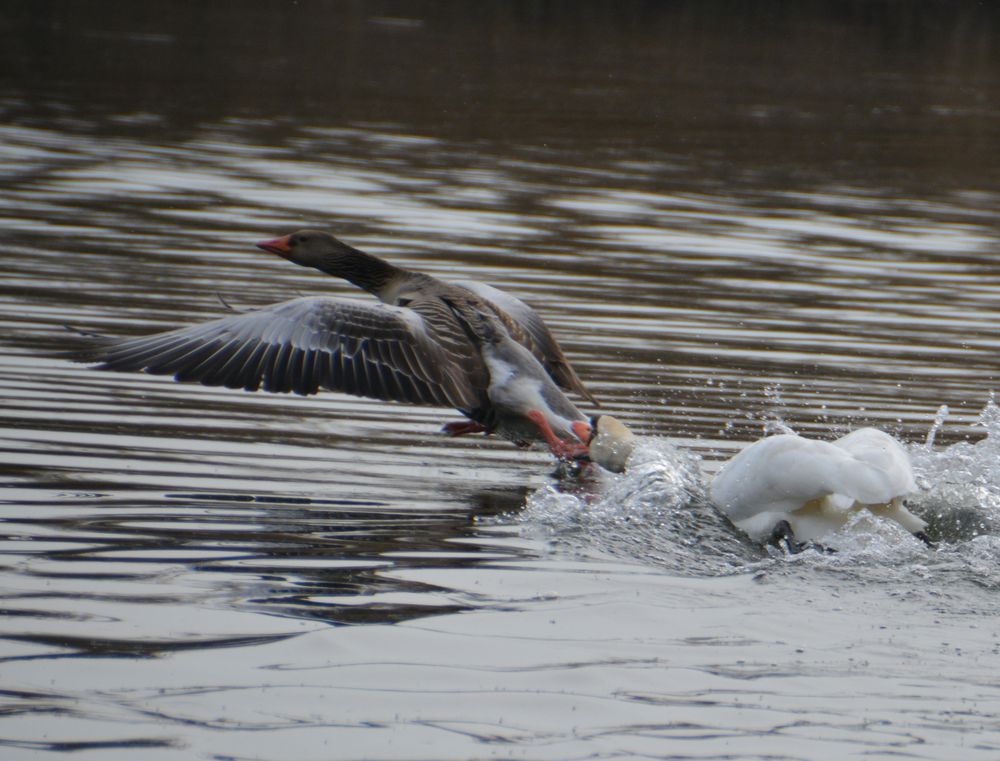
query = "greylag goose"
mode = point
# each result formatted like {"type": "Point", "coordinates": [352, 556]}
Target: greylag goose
{"type": "Point", "coordinates": [792, 491]}
{"type": "Point", "coordinates": [465, 345]}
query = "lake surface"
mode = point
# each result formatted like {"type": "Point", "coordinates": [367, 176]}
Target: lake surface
{"type": "Point", "coordinates": [735, 218]}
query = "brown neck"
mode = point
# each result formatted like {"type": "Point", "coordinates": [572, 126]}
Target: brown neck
{"type": "Point", "coordinates": [364, 270]}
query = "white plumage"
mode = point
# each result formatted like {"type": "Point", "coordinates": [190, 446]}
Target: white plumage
{"type": "Point", "coordinates": [815, 485]}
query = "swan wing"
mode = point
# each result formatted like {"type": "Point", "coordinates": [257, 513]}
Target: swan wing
{"type": "Point", "coordinates": [881, 450]}
{"type": "Point", "coordinates": [302, 346]}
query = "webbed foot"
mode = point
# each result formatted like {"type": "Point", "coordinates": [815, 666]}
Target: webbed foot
{"type": "Point", "coordinates": [567, 450]}
{"type": "Point", "coordinates": [923, 537]}
{"type": "Point", "coordinates": [462, 427]}
{"type": "Point", "coordinates": [783, 538]}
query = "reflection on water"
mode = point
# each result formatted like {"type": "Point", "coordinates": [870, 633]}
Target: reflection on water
{"type": "Point", "coordinates": [731, 215]}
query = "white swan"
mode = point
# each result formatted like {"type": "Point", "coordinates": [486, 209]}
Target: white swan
{"type": "Point", "coordinates": [789, 489]}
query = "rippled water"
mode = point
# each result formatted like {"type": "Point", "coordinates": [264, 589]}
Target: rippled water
{"type": "Point", "coordinates": [732, 219]}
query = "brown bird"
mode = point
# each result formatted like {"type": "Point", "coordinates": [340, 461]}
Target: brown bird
{"type": "Point", "coordinates": [461, 344]}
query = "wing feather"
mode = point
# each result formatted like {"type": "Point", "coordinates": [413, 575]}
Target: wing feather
{"type": "Point", "coordinates": [314, 343]}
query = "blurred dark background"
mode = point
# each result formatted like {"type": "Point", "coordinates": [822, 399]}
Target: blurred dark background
{"type": "Point", "coordinates": [668, 75]}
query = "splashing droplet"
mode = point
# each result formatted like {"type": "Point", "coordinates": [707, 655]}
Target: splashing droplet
{"type": "Point", "coordinates": [937, 425]}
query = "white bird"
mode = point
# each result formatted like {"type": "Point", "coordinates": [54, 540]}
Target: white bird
{"type": "Point", "coordinates": [792, 491]}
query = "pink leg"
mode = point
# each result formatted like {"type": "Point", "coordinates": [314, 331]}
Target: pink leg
{"type": "Point", "coordinates": [462, 427]}
{"type": "Point", "coordinates": [568, 450]}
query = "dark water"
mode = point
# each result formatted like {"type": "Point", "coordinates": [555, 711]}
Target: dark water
{"type": "Point", "coordinates": [733, 215]}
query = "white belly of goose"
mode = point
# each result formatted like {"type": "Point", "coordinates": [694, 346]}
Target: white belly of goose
{"type": "Point", "coordinates": [518, 385]}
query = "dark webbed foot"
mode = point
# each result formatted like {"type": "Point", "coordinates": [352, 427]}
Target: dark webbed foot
{"type": "Point", "coordinates": [923, 537]}
{"type": "Point", "coordinates": [783, 538]}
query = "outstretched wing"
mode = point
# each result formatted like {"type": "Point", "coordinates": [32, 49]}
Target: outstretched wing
{"type": "Point", "coordinates": [534, 334]}
{"type": "Point", "coordinates": [303, 345]}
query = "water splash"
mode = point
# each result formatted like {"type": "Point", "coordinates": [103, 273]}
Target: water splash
{"type": "Point", "coordinates": [775, 425]}
{"type": "Point", "coordinates": [656, 512]}
{"type": "Point", "coordinates": [659, 512]}
{"type": "Point", "coordinates": [937, 425]}
{"type": "Point", "coordinates": [662, 478]}
{"type": "Point", "coordinates": [989, 418]}
{"type": "Point", "coordinates": [772, 419]}
{"type": "Point", "coordinates": [960, 485]}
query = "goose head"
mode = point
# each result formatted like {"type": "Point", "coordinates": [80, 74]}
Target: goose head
{"type": "Point", "coordinates": [311, 248]}
{"type": "Point", "coordinates": [611, 443]}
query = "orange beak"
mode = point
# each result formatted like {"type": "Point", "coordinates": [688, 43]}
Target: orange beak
{"type": "Point", "coordinates": [279, 246]}
{"type": "Point", "coordinates": [583, 431]}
